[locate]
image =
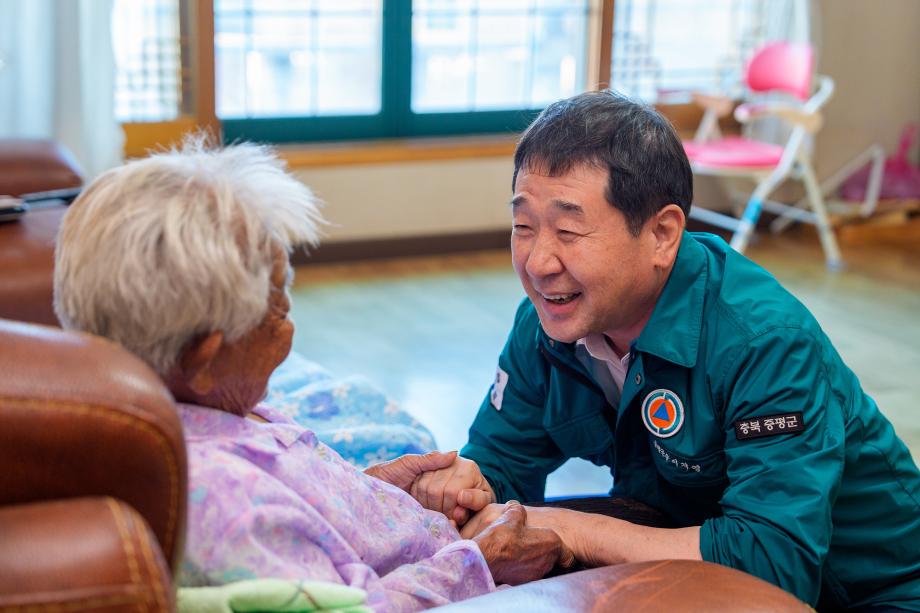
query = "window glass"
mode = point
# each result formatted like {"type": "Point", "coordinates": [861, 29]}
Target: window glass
{"type": "Point", "coordinates": [303, 58]}
{"type": "Point", "coordinates": [663, 49]}
{"type": "Point", "coordinates": [476, 55]}
{"type": "Point", "coordinates": [145, 39]}
{"type": "Point", "coordinates": [295, 70]}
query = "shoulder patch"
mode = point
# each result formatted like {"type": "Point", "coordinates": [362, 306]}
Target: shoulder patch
{"type": "Point", "coordinates": [498, 388]}
{"type": "Point", "coordinates": [663, 413]}
{"type": "Point", "coordinates": [769, 425]}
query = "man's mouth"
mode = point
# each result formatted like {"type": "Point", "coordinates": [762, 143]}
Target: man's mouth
{"type": "Point", "coordinates": [561, 298]}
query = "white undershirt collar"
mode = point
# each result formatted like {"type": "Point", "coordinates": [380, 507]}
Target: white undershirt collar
{"type": "Point", "coordinates": [600, 349]}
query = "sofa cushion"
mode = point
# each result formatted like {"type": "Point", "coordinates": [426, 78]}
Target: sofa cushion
{"type": "Point", "coordinates": [34, 165]}
{"type": "Point", "coordinates": [27, 266]}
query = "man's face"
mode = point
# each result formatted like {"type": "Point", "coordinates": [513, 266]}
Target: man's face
{"type": "Point", "coordinates": [576, 258]}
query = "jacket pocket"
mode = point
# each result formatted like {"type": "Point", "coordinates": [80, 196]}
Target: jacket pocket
{"type": "Point", "coordinates": [688, 471]}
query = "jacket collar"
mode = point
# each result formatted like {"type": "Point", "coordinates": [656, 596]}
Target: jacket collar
{"type": "Point", "coordinates": [673, 331]}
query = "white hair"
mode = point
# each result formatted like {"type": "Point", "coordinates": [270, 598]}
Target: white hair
{"type": "Point", "coordinates": [166, 248]}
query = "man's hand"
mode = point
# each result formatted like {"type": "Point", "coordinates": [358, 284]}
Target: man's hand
{"type": "Point", "coordinates": [563, 522]}
{"type": "Point", "coordinates": [482, 520]}
{"type": "Point", "coordinates": [454, 491]}
{"type": "Point", "coordinates": [517, 553]}
{"type": "Point", "coordinates": [404, 470]}
{"type": "Point", "coordinates": [597, 540]}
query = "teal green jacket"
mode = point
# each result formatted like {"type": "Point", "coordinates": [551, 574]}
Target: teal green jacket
{"type": "Point", "coordinates": [738, 415]}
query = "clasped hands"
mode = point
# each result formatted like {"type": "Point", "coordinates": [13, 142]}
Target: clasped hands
{"type": "Point", "coordinates": [516, 550]}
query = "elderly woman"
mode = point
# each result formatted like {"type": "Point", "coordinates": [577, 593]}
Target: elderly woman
{"type": "Point", "coordinates": [182, 258]}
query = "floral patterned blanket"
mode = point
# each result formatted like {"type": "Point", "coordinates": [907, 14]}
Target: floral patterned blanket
{"type": "Point", "coordinates": [349, 414]}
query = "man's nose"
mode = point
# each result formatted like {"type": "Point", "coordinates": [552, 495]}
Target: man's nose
{"type": "Point", "coordinates": [543, 259]}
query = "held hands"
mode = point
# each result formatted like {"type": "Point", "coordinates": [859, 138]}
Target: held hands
{"type": "Point", "coordinates": [515, 552]}
{"type": "Point", "coordinates": [482, 520]}
{"type": "Point", "coordinates": [455, 491]}
{"type": "Point", "coordinates": [404, 470]}
{"type": "Point", "coordinates": [566, 524]}
{"type": "Point", "coordinates": [439, 481]}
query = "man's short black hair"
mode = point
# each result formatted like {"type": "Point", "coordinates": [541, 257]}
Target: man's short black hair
{"type": "Point", "coordinates": [638, 147]}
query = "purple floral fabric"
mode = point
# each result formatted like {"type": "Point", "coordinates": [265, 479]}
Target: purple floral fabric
{"type": "Point", "coordinates": [270, 500]}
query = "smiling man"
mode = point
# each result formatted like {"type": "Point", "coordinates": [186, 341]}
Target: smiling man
{"type": "Point", "coordinates": [711, 393]}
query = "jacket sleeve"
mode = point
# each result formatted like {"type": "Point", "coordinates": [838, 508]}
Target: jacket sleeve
{"type": "Point", "coordinates": [507, 439]}
{"type": "Point", "coordinates": [776, 521]}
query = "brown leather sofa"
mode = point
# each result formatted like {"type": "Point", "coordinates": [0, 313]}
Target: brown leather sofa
{"type": "Point", "coordinates": [27, 244]}
{"type": "Point", "coordinates": [666, 585]}
{"type": "Point", "coordinates": [34, 165]}
{"type": "Point", "coordinates": [27, 265]}
{"type": "Point", "coordinates": [93, 485]}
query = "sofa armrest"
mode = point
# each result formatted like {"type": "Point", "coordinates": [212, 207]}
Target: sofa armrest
{"type": "Point", "coordinates": [80, 416]}
{"type": "Point", "coordinates": [666, 585]}
{"type": "Point", "coordinates": [84, 554]}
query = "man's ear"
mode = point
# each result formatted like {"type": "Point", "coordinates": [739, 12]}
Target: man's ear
{"type": "Point", "coordinates": [197, 360]}
{"type": "Point", "coordinates": [667, 227]}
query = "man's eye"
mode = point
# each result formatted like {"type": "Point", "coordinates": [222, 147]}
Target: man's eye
{"type": "Point", "coordinates": [520, 228]}
{"type": "Point", "coordinates": [567, 234]}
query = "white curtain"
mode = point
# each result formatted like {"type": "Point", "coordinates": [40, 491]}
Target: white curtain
{"type": "Point", "coordinates": [57, 77]}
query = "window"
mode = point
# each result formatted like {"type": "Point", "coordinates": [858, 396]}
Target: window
{"type": "Point", "coordinates": [313, 70]}
{"type": "Point", "coordinates": [145, 37]}
{"type": "Point", "coordinates": [336, 69]}
{"type": "Point", "coordinates": [659, 57]}
{"type": "Point", "coordinates": [496, 54]}
{"type": "Point", "coordinates": [297, 58]}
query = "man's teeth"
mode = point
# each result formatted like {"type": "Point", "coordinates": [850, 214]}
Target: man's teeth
{"type": "Point", "coordinates": [560, 298]}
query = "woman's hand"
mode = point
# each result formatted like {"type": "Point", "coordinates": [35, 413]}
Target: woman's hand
{"type": "Point", "coordinates": [404, 470]}
{"type": "Point", "coordinates": [515, 552]}
{"type": "Point", "coordinates": [456, 491]}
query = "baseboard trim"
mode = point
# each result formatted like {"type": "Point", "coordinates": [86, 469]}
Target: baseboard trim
{"type": "Point", "coordinates": [412, 246]}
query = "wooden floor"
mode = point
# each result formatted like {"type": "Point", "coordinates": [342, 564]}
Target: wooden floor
{"type": "Point", "coordinates": [428, 330]}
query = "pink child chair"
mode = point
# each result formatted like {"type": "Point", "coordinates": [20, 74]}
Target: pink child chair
{"type": "Point", "coordinates": [784, 67]}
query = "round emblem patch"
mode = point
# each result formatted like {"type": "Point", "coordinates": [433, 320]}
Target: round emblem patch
{"type": "Point", "coordinates": [662, 413]}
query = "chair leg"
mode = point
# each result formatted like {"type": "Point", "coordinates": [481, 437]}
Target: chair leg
{"type": "Point", "coordinates": [823, 225]}
{"type": "Point", "coordinates": [785, 220]}
{"type": "Point", "coordinates": [752, 209]}
{"type": "Point", "coordinates": [874, 155]}
{"type": "Point", "coordinates": [747, 223]}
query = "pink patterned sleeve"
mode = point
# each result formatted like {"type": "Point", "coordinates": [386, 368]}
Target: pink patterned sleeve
{"type": "Point", "coordinates": [247, 523]}
{"type": "Point", "coordinates": [456, 572]}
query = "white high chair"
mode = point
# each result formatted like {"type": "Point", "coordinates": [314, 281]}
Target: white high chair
{"type": "Point", "coordinates": [785, 67]}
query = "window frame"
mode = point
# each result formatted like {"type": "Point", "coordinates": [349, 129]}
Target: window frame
{"type": "Point", "coordinates": [198, 106]}
{"type": "Point", "coordinates": [396, 118]}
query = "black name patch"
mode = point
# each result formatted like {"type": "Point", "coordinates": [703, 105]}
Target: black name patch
{"type": "Point", "coordinates": [769, 425]}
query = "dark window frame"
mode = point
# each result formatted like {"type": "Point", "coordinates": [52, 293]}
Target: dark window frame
{"type": "Point", "coordinates": [395, 119]}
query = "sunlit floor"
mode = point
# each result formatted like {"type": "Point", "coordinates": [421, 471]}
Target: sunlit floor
{"type": "Point", "coordinates": [427, 331]}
